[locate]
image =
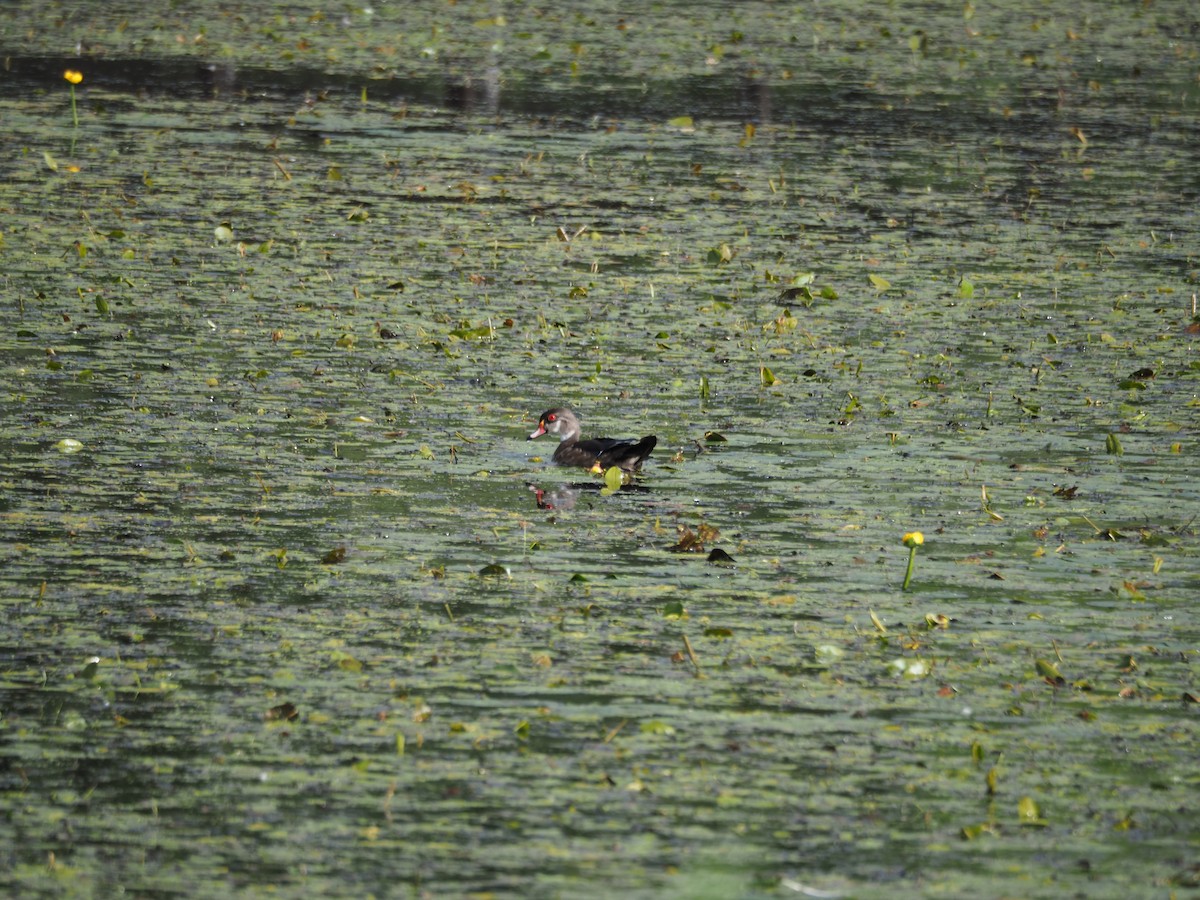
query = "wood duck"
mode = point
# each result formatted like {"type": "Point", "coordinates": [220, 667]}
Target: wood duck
{"type": "Point", "coordinates": [595, 453]}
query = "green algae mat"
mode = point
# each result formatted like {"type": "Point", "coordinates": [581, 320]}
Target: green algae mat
{"type": "Point", "coordinates": [292, 608]}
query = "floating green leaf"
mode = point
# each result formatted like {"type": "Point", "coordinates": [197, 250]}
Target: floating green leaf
{"type": "Point", "coordinates": [971, 832]}
{"type": "Point", "coordinates": [473, 334]}
{"type": "Point", "coordinates": [1028, 812]}
{"type": "Point", "coordinates": [88, 672]}
{"type": "Point", "coordinates": [719, 256]}
{"type": "Point", "coordinates": [674, 610]}
{"type": "Point", "coordinates": [614, 477]}
{"type": "Point", "coordinates": [334, 556]}
{"type": "Point", "coordinates": [1048, 671]}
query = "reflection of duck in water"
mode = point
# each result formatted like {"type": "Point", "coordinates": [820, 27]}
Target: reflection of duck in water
{"type": "Point", "coordinates": [565, 496]}
{"type": "Point", "coordinates": [605, 453]}
{"type": "Point", "coordinates": [562, 498]}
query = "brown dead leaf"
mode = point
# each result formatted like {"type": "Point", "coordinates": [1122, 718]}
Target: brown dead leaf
{"type": "Point", "coordinates": [694, 541]}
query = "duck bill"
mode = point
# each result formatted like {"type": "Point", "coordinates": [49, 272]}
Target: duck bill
{"type": "Point", "coordinates": [541, 429]}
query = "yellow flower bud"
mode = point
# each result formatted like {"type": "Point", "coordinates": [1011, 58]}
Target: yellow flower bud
{"type": "Point", "coordinates": [72, 76]}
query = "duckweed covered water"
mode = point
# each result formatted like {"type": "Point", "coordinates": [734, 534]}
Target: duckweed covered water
{"type": "Point", "coordinates": [288, 616]}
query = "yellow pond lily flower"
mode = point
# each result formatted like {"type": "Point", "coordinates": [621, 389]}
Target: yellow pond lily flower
{"type": "Point", "coordinates": [912, 541]}
{"type": "Point", "coordinates": [74, 78]}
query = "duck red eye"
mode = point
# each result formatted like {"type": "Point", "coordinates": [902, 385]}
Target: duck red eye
{"type": "Point", "coordinates": [551, 417]}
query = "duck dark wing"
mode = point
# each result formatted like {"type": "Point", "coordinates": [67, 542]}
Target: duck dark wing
{"type": "Point", "coordinates": [598, 447]}
{"type": "Point", "coordinates": [628, 454]}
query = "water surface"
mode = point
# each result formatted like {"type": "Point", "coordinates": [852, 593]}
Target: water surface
{"type": "Point", "coordinates": [300, 284]}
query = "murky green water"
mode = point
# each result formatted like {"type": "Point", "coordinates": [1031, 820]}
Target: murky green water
{"type": "Point", "coordinates": [300, 311]}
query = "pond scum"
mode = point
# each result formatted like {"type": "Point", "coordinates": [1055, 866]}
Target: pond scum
{"type": "Point", "coordinates": [900, 605]}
